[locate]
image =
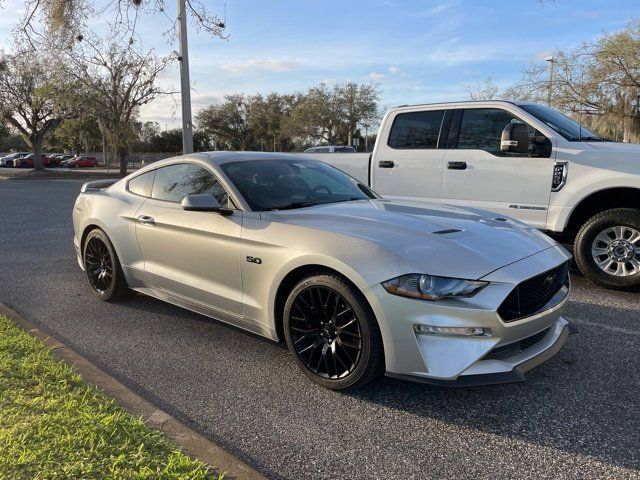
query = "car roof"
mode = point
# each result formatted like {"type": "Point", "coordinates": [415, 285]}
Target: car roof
{"type": "Point", "coordinates": [221, 157]}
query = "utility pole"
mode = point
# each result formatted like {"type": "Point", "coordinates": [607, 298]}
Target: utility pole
{"type": "Point", "coordinates": [549, 61]}
{"type": "Point", "coordinates": [185, 85]}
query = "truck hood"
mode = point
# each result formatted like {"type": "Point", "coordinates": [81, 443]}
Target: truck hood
{"type": "Point", "coordinates": [617, 147]}
{"type": "Point", "coordinates": [423, 237]}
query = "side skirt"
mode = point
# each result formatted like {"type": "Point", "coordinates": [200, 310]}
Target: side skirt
{"type": "Point", "coordinates": [207, 311]}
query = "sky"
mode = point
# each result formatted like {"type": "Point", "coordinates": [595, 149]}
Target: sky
{"type": "Point", "coordinates": [418, 51]}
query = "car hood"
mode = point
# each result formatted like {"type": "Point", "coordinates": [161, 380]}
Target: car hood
{"type": "Point", "coordinates": [425, 237]}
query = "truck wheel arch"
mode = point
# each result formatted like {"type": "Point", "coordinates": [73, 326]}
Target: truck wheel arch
{"type": "Point", "coordinates": [599, 201]}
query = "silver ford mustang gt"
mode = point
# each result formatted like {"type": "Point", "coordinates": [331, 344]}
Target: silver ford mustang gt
{"type": "Point", "coordinates": [296, 250]}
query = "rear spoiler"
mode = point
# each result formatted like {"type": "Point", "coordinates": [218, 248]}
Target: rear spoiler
{"type": "Point", "coordinates": [97, 185]}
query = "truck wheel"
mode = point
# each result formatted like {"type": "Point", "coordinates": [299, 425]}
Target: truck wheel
{"type": "Point", "coordinates": [607, 248]}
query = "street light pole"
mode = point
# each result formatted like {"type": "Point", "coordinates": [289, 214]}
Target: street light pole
{"type": "Point", "coordinates": [549, 61]}
{"type": "Point", "coordinates": [185, 85]}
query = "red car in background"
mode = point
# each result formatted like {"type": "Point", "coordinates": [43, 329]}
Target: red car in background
{"type": "Point", "coordinates": [27, 161]}
{"type": "Point", "coordinates": [82, 161]}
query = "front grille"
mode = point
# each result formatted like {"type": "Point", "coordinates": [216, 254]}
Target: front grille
{"type": "Point", "coordinates": [532, 295]}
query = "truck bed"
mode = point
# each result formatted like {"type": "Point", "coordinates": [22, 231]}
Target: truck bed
{"type": "Point", "coordinates": [354, 164]}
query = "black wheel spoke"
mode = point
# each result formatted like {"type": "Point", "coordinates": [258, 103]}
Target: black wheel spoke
{"type": "Point", "coordinates": [99, 265]}
{"type": "Point", "coordinates": [325, 332]}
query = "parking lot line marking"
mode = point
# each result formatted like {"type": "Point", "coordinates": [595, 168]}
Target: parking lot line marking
{"type": "Point", "coordinates": [626, 331]}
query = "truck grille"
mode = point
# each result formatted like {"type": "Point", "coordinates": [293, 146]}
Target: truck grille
{"type": "Point", "coordinates": [530, 296]}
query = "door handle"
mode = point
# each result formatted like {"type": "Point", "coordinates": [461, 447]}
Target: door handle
{"type": "Point", "coordinates": [146, 220]}
{"type": "Point", "coordinates": [386, 164]}
{"type": "Point", "coordinates": [457, 165]}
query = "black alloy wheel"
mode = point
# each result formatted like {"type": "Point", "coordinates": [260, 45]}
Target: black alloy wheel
{"type": "Point", "coordinates": [99, 265]}
{"type": "Point", "coordinates": [103, 268]}
{"type": "Point", "coordinates": [333, 333]}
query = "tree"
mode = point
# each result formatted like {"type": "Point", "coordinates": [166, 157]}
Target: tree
{"type": "Point", "coordinates": [10, 140]}
{"type": "Point", "coordinates": [64, 20]}
{"type": "Point", "coordinates": [317, 116]}
{"type": "Point", "coordinates": [268, 115]}
{"type": "Point", "coordinates": [334, 114]}
{"type": "Point", "coordinates": [359, 105]}
{"type": "Point", "coordinates": [77, 133]}
{"type": "Point", "coordinates": [598, 82]}
{"type": "Point", "coordinates": [121, 79]}
{"type": "Point", "coordinates": [228, 123]}
{"type": "Point", "coordinates": [486, 91]}
{"type": "Point", "coordinates": [29, 98]}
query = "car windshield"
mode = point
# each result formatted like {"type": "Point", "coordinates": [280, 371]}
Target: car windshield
{"type": "Point", "coordinates": [282, 184]}
{"type": "Point", "coordinates": [565, 126]}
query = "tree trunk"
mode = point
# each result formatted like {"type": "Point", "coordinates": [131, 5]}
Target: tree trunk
{"type": "Point", "coordinates": [123, 159]}
{"type": "Point", "coordinates": [105, 157]}
{"type": "Point", "coordinates": [37, 154]}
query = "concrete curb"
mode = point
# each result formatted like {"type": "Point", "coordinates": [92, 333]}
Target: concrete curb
{"type": "Point", "coordinates": [191, 442]}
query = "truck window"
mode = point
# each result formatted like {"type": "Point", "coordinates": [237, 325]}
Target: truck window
{"type": "Point", "coordinates": [416, 130]}
{"type": "Point", "coordinates": [481, 129]}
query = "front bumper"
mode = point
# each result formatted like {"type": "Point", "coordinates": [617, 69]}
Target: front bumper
{"type": "Point", "coordinates": [492, 371]}
{"type": "Point", "coordinates": [465, 360]}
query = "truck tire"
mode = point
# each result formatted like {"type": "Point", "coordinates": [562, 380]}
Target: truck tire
{"type": "Point", "coordinates": [607, 248]}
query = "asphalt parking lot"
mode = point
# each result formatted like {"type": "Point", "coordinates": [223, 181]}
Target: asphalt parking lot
{"type": "Point", "coordinates": [577, 416]}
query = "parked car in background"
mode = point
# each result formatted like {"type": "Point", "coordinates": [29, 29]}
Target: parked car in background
{"type": "Point", "coordinates": [8, 160]}
{"type": "Point", "coordinates": [64, 159]}
{"type": "Point", "coordinates": [331, 149]}
{"type": "Point", "coordinates": [295, 250]}
{"type": "Point", "coordinates": [28, 161]}
{"type": "Point", "coordinates": [81, 161]}
{"type": "Point", "coordinates": [518, 159]}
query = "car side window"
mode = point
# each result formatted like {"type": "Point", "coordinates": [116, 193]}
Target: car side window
{"type": "Point", "coordinates": [174, 182]}
{"type": "Point", "coordinates": [481, 129]}
{"type": "Point", "coordinates": [416, 130]}
{"type": "Point", "coordinates": [142, 184]}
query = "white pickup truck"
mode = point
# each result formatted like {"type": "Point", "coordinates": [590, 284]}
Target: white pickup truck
{"type": "Point", "coordinates": [522, 160]}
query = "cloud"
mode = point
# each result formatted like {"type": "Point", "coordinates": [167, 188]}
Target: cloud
{"type": "Point", "coordinates": [437, 9]}
{"type": "Point", "coordinates": [376, 76]}
{"type": "Point", "coordinates": [269, 65]}
{"type": "Point", "coordinates": [394, 69]}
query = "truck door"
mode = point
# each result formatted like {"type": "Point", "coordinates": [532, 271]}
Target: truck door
{"type": "Point", "coordinates": [478, 173]}
{"type": "Point", "coordinates": [408, 163]}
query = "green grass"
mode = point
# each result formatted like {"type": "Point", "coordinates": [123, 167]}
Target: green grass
{"type": "Point", "coordinates": [54, 425]}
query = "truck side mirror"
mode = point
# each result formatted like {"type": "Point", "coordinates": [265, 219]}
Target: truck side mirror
{"type": "Point", "coordinates": [515, 138]}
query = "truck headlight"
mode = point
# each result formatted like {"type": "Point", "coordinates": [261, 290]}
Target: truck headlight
{"type": "Point", "coordinates": [431, 287]}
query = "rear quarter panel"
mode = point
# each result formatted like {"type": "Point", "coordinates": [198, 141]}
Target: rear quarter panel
{"type": "Point", "coordinates": [112, 210]}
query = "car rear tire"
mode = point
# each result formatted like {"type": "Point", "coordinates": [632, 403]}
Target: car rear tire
{"type": "Point", "coordinates": [332, 333]}
{"type": "Point", "coordinates": [607, 248]}
{"type": "Point", "coordinates": [103, 268]}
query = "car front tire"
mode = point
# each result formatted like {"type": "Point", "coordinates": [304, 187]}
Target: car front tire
{"type": "Point", "coordinates": [332, 333]}
{"type": "Point", "coordinates": [607, 248]}
{"type": "Point", "coordinates": [103, 268]}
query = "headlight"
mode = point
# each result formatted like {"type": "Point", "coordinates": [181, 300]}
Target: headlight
{"type": "Point", "coordinates": [430, 287]}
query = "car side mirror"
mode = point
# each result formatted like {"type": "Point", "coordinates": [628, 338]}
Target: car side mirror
{"type": "Point", "coordinates": [204, 202]}
{"type": "Point", "coordinates": [515, 138]}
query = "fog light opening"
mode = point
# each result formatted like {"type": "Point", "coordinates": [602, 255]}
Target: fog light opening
{"type": "Point", "coordinates": [456, 331]}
